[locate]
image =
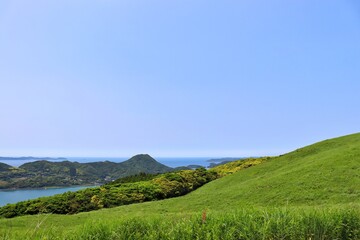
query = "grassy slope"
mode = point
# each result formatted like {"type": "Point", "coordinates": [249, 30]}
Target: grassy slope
{"type": "Point", "coordinates": [323, 174]}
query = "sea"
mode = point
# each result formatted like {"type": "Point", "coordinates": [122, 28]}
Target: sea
{"type": "Point", "coordinates": [13, 196]}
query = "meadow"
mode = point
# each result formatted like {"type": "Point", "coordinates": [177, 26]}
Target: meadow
{"type": "Point", "coordinates": [250, 223]}
{"type": "Point", "coordinates": [310, 193]}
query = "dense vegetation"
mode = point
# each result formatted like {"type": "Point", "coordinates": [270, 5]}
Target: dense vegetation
{"type": "Point", "coordinates": [115, 194]}
{"type": "Point", "coordinates": [46, 174]}
{"type": "Point", "coordinates": [311, 193]}
{"type": "Point", "coordinates": [133, 178]}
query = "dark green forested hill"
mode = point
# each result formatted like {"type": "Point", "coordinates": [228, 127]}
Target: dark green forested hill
{"type": "Point", "coordinates": [44, 173]}
{"type": "Point", "coordinates": [4, 167]}
{"type": "Point", "coordinates": [136, 164]}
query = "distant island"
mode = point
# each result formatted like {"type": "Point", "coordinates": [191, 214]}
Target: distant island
{"type": "Point", "coordinates": [221, 161]}
{"type": "Point", "coordinates": [228, 159]}
{"type": "Point", "coordinates": [44, 173]}
{"type": "Point", "coordinates": [31, 158]}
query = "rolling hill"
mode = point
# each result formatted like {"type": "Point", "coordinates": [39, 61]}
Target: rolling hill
{"type": "Point", "coordinates": [319, 185]}
{"type": "Point", "coordinates": [322, 174]}
{"type": "Point", "coordinates": [327, 172]}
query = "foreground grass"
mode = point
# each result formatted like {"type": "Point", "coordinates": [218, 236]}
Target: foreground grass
{"type": "Point", "coordinates": [270, 223]}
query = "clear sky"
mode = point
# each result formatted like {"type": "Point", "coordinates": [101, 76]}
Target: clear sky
{"type": "Point", "coordinates": [176, 78]}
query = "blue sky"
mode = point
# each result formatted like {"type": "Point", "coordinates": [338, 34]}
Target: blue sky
{"type": "Point", "coordinates": [176, 78]}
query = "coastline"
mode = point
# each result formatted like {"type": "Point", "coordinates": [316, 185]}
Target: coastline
{"type": "Point", "coordinates": [13, 196]}
{"type": "Point", "coordinates": [46, 188]}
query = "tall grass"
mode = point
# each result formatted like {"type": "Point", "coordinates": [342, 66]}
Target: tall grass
{"type": "Point", "coordinates": [243, 224]}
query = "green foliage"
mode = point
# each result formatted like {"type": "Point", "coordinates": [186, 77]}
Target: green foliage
{"type": "Point", "coordinates": [115, 194]}
{"type": "Point", "coordinates": [235, 166]}
{"type": "Point", "coordinates": [133, 178]}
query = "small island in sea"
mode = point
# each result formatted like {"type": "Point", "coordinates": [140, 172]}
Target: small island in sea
{"type": "Point", "coordinates": [31, 158]}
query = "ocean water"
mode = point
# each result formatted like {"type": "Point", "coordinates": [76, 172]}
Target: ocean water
{"type": "Point", "coordinates": [13, 196]}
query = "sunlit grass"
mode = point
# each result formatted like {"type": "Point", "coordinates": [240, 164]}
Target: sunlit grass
{"type": "Point", "coordinates": [271, 223]}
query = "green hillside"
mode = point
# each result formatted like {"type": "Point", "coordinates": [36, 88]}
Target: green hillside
{"type": "Point", "coordinates": [323, 173]}
{"type": "Point", "coordinates": [318, 186]}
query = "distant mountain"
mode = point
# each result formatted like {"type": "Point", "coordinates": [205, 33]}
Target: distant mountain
{"type": "Point", "coordinates": [44, 173]}
{"type": "Point", "coordinates": [141, 163]}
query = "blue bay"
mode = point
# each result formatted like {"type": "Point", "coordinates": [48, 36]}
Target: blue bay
{"type": "Point", "coordinates": [13, 196]}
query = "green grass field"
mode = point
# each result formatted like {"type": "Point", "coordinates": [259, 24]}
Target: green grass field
{"type": "Point", "coordinates": [252, 223]}
{"type": "Point", "coordinates": [310, 193]}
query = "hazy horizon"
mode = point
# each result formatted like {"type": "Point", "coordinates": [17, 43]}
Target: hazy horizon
{"type": "Point", "coordinates": [124, 157]}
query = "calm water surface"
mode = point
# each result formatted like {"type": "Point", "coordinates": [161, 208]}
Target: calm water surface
{"type": "Point", "coordinates": [13, 196]}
